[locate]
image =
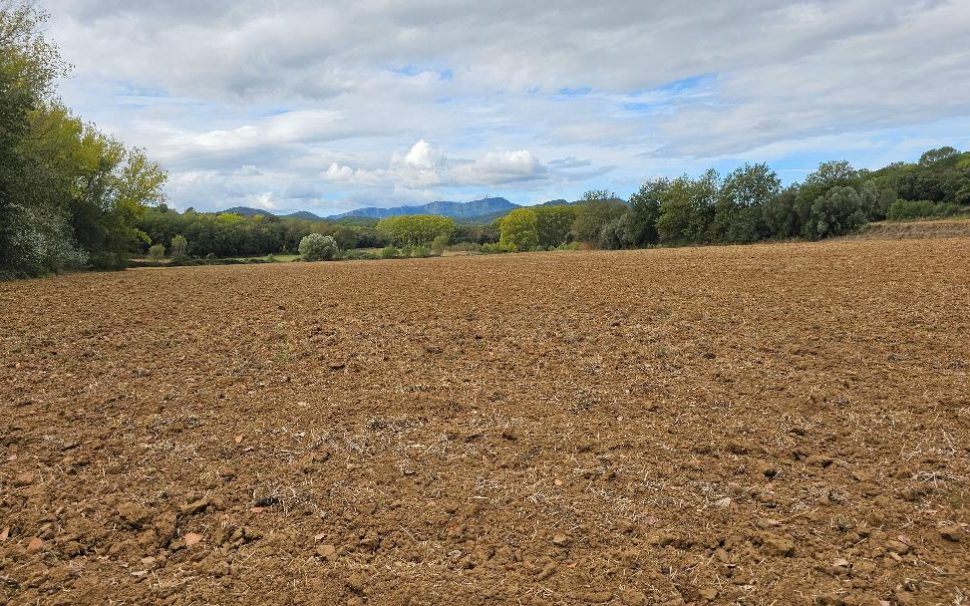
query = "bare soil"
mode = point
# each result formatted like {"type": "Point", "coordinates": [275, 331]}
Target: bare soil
{"type": "Point", "coordinates": [772, 424]}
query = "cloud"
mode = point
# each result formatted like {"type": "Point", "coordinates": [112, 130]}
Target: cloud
{"type": "Point", "coordinates": [326, 100]}
{"type": "Point", "coordinates": [424, 166]}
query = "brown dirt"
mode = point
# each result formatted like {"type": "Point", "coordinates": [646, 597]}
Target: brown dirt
{"type": "Point", "coordinates": [776, 424]}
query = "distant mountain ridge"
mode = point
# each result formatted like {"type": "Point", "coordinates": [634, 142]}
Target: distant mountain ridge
{"type": "Point", "coordinates": [484, 210]}
{"type": "Point", "coordinates": [455, 210]}
{"type": "Point", "coordinates": [247, 211]}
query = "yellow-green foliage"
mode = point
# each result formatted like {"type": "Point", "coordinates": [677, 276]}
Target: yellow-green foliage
{"type": "Point", "coordinates": [415, 230]}
{"type": "Point", "coordinates": [520, 229]}
{"type": "Point", "coordinates": [554, 223]}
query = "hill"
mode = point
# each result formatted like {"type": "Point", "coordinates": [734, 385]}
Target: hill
{"type": "Point", "coordinates": [455, 210]}
{"type": "Point", "coordinates": [246, 211]}
{"type": "Point", "coordinates": [305, 215]}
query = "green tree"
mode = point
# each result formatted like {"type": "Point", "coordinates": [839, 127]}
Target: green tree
{"type": "Point", "coordinates": [317, 247]}
{"type": "Point", "coordinates": [827, 176]}
{"type": "Point", "coordinates": [687, 208]}
{"type": "Point", "coordinates": [35, 234]}
{"type": "Point", "coordinates": [836, 213]}
{"type": "Point", "coordinates": [178, 248]}
{"type": "Point", "coordinates": [554, 224]}
{"type": "Point", "coordinates": [639, 228]}
{"type": "Point", "coordinates": [415, 230]}
{"type": "Point", "coordinates": [157, 252]}
{"type": "Point", "coordinates": [739, 209]}
{"type": "Point", "coordinates": [520, 229]}
{"type": "Point", "coordinates": [596, 210]}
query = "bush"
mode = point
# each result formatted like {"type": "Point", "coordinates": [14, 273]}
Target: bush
{"type": "Point", "coordinates": [390, 252]}
{"type": "Point", "coordinates": [179, 248]}
{"type": "Point", "coordinates": [497, 249]}
{"type": "Point", "coordinates": [317, 247]}
{"type": "Point", "coordinates": [359, 255]}
{"type": "Point", "coordinates": [421, 252]}
{"type": "Point", "coordinates": [904, 210]}
{"type": "Point", "coordinates": [438, 245]}
{"type": "Point", "coordinates": [156, 252]}
{"type": "Point", "coordinates": [465, 247]}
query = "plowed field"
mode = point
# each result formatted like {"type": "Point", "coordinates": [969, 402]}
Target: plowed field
{"type": "Point", "coordinates": [772, 424]}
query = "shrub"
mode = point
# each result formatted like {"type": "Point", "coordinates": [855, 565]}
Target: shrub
{"type": "Point", "coordinates": [390, 252]}
{"type": "Point", "coordinates": [438, 245]}
{"type": "Point", "coordinates": [497, 249]}
{"type": "Point", "coordinates": [903, 210]}
{"type": "Point", "coordinates": [179, 248]}
{"type": "Point", "coordinates": [156, 252]}
{"type": "Point", "coordinates": [359, 255]}
{"type": "Point", "coordinates": [317, 247]}
{"type": "Point", "coordinates": [465, 247]}
{"type": "Point", "coordinates": [421, 252]}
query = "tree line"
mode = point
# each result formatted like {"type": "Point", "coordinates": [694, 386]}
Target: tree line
{"type": "Point", "coordinates": [69, 194]}
{"type": "Point", "coordinates": [72, 197]}
{"type": "Point", "coordinates": [750, 205]}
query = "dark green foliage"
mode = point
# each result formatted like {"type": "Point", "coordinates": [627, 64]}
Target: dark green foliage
{"type": "Point", "coordinates": [687, 209]}
{"type": "Point", "coordinates": [69, 195]}
{"type": "Point", "coordinates": [639, 226]}
{"type": "Point", "coordinates": [739, 213]}
{"type": "Point", "coordinates": [554, 224]}
{"type": "Point", "coordinates": [597, 210]}
{"type": "Point", "coordinates": [477, 234]}
{"type": "Point", "coordinates": [178, 248]}
{"type": "Point", "coordinates": [904, 210]}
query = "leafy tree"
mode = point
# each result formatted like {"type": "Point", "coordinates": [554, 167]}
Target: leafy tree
{"type": "Point", "coordinates": [613, 234]}
{"type": "Point", "coordinates": [827, 176]}
{"type": "Point", "coordinates": [157, 252]}
{"type": "Point", "coordinates": [687, 208]}
{"type": "Point", "coordinates": [739, 210]}
{"type": "Point", "coordinates": [639, 227]}
{"type": "Point", "coordinates": [939, 155]}
{"type": "Point", "coordinates": [596, 210]}
{"type": "Point", "coordinates": [415, 230]}
{"type": "Point", "coordinates": [317, 247]}
{"type": "Point", "coordinates": [178, 248]}
{"type": "Point", "coordinates": [520, 229]}
{"type": "Point", "coordinates": [35, 236]}
{"type": "Point", "coordinates": [554, 224]}
{"type": "Point", "coordinates": [836, 213]}
{"type": "Point", "coordinates": [780, 215]}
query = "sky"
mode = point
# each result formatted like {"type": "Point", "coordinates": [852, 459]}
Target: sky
{"type": "Point", "coordinates": [332, 105]}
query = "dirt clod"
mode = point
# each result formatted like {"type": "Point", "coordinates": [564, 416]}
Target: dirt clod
{"type": "Point", "coordinates": [571, 396]}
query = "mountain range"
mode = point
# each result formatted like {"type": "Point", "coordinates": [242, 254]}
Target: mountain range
{"type": "Point", "coordinates": [483, 210]}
